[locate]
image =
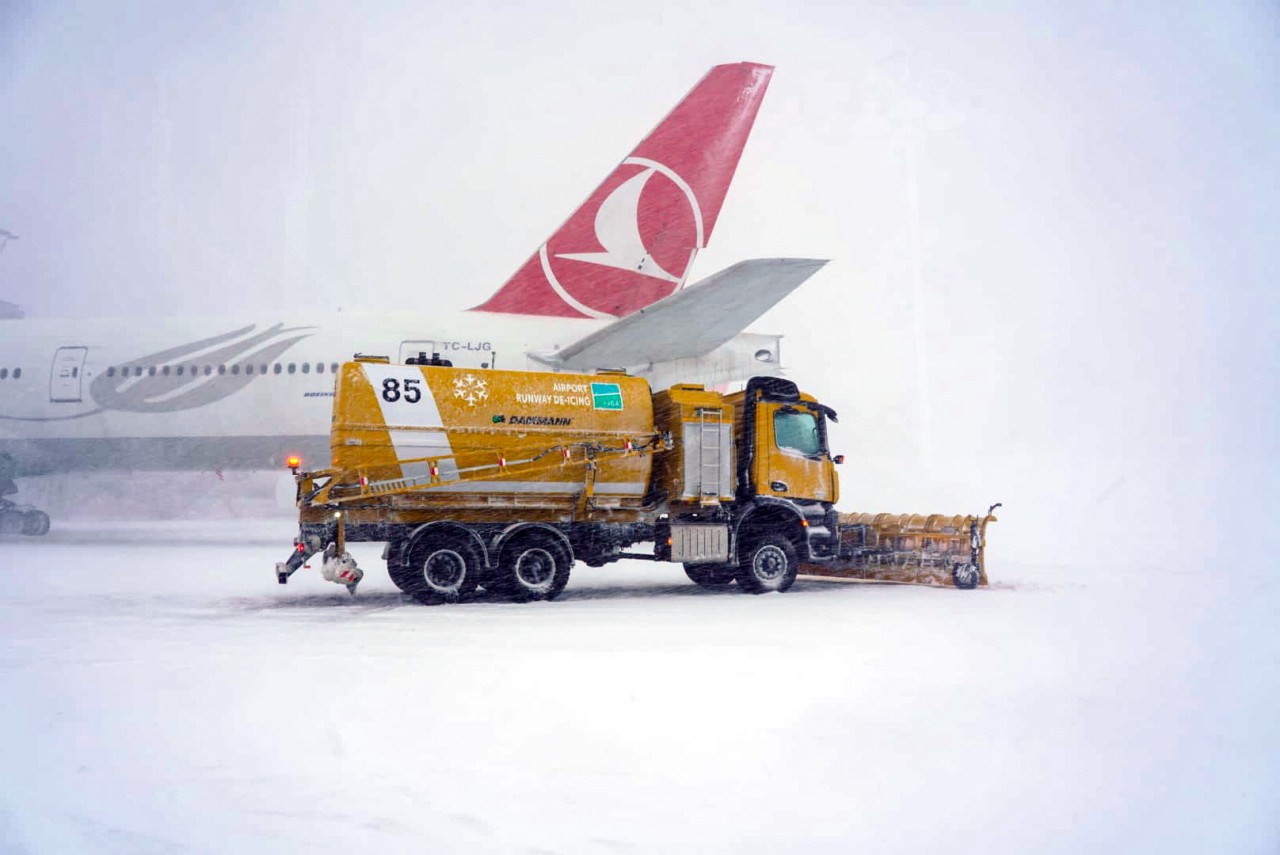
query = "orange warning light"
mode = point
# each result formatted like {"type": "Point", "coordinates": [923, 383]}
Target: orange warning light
{"type": "Point", "coordinates": [293, 461]}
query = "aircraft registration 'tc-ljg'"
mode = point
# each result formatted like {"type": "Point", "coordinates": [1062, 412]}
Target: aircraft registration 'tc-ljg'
{"type": "Point", "coordinates": [606, 290]}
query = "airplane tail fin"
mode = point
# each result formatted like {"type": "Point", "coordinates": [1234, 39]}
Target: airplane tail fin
{"type": "Point", "coordinates": [632, 241]}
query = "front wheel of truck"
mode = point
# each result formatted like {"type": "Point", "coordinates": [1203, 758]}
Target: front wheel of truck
{"type": "Point", "coordinates": [768, 564]}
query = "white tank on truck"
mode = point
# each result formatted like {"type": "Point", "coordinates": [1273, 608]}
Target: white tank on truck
{"type": "Point", "coordinates": [505, 479]}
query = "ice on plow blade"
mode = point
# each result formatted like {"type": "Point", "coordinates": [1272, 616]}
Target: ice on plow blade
{"type": "Point", "coordinates": [934, 549]}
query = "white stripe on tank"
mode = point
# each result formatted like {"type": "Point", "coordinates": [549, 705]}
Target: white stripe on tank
{"type": "Point", "coordinates": [412, 434]}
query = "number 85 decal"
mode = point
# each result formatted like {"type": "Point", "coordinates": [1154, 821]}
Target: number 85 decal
{"type": "Point", "coordinates": [412, 393]}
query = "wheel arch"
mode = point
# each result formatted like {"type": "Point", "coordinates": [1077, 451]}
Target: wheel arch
{"type": "Point", "coordinates": [516, 530]}
{"type": "Point", "coordinates": [772, 518]}
{"type": "Point", "coordinates": [450, 528]}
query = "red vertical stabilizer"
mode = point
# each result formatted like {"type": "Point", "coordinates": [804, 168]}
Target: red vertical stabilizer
{"type": "Point", "coordinates": [632, 241]}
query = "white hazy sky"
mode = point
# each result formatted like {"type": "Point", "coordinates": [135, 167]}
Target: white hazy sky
{"type": "Point", "coordinates": [1098, 195]}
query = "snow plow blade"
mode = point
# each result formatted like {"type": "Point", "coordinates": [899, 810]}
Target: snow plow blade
{"type": "Point", "coordinates": [913, 548]}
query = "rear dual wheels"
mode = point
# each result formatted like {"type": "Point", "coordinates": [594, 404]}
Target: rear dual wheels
{"type": "Point", "coordinates": [534, 565]}
{"type": "Point", "coordinates": [32, 523]}
{"type": "Point", "coordinates": [438, 568]}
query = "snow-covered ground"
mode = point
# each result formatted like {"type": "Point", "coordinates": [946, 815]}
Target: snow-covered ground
{"type": "Point", "coordinates": [162, 694]}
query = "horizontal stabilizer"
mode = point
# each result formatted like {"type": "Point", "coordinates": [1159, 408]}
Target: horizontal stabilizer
{"type": "Point", "coordinates": [693, 321]}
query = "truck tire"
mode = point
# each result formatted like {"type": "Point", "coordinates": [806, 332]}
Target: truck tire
{"type": "Point", "coordinates": [35, 523]}
{"type": "Point", "coordinates": [768, 564]}
{"type": "Point", "coordinates": [534, 566]}
{"type": "Point", "coordinates": [438, 568]}
{"type": "Point", "coordinates": [711, 575]}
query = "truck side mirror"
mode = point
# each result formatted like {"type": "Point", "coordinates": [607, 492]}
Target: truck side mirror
{"type": "Point", "coordinates": [838, 459]}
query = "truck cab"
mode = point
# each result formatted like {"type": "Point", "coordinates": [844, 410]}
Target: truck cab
{"type": "Point", "coordinates": [786, 476]}
{"type": "Point", "coordinates": [782, 440]}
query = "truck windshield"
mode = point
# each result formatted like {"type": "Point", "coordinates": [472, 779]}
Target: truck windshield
{"type": "Point", "coordinates": [797, 432]}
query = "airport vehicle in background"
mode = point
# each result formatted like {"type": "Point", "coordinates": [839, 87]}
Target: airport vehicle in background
{"type": "Point", "coordinates": [504, 479]}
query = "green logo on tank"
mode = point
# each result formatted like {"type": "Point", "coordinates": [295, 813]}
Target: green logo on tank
{"type": "Point", "coordinates": [606, 396]}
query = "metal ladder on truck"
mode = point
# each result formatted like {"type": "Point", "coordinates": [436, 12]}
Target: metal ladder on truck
{"type": "Point", "coordinates": [710, 455]}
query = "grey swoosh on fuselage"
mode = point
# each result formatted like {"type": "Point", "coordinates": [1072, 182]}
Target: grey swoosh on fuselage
{"type": "Point", "coordinates": [167, 393]}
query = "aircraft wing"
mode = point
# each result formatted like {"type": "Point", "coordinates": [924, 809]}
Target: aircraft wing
{"type": "Point", "coordinates": [693, 321]}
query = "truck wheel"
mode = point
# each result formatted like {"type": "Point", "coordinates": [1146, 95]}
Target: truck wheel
{"type": "Point", "coordinates": [439, 569]}
{"type": "Point", "coordinates": [710, 575]}
{"type": "Point", "coordinates": [534, 567]}
{"type": "Point", "coordinates": [966, 576]}
{"type": "Point", "coordinates": [768, 565]}
{"type": "Point", "coordinates": [35, 523]}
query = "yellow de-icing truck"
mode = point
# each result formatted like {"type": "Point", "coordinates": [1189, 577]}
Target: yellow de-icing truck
{"type": "Point", "coordinates": [504, 479]}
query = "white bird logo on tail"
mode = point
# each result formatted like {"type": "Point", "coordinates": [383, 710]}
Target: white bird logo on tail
{"type": "Point", "coordinates": [618, 230]}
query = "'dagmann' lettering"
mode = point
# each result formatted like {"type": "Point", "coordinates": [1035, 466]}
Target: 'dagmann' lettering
{"type": "Point", "coordinates": [552, 421]}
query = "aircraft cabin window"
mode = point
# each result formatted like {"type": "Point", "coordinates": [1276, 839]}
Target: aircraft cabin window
{"type": "Point", "coordinates": [222, 369]}
{"type": "Point", "coordinates": [319, 367]}
{"type": "Point", "coordinates": [179, 370]}
{"type": "Point", "coordinates": [306, 368]}
{"type": "Point", "coordinates": [4, 372]}
{"type": "Point", "coordinates": [17, 372]}
{"type": "Point", "coordinates": [151, 371]}
{"type": "Point", "coordinates": [165, 371]}
{"type": "Point", "coordinates": [333, 368]}
{"type": "Point", "coordinates": [275, 369]}
{"type": "Point", "coordinates": [111, 371]}
{"type": "Point", "coordinates": [248, 369]}
{"type": "Point", "coordinates": [208, 369]}
{"type": "Point", "coordinates": [235, 369]}
{"type": "Point", "coordinates": [292, 368]}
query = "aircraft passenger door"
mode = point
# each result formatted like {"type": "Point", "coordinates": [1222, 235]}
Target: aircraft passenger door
{"type": "Point", "coordinates": [463, 354]}
{"type": "Point", "coordinates": [67, 373]}
{"type": "Point", "coordinates": [413, 348]}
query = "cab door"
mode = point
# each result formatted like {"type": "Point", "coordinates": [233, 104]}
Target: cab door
{"type": "Point", "coordinates": [792, 455]}
{"type": "Point", "coordinates": [67, 374]}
